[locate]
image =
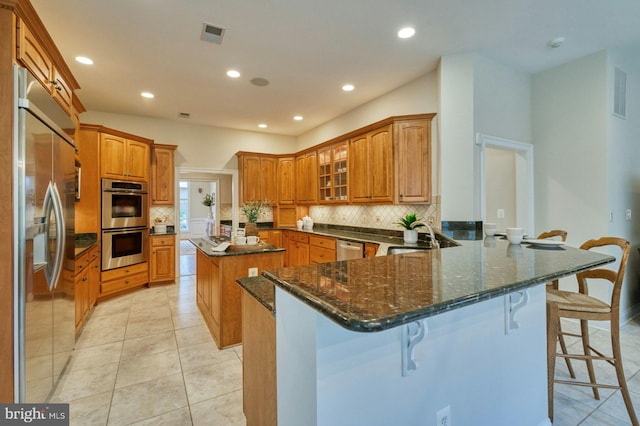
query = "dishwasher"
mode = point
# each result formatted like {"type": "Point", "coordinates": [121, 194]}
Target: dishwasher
{"type": "Point", "coordinates": [349, 250]}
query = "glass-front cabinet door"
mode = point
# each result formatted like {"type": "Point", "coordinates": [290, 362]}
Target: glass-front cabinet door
{"type": "Point", "coordinates": [332, 173]}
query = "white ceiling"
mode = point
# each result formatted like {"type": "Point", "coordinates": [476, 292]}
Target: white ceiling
{"type": "Point", "coordinates": [307, 49]}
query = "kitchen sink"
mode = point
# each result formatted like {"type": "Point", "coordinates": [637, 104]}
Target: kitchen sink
{"type": "Point", "coordinates": [405, 249]}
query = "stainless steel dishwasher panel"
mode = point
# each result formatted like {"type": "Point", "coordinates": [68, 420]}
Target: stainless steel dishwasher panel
{"type": "Point", "coordinates": [349, 250]}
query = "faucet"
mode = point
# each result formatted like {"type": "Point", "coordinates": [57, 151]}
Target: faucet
{"type": "Point", "coordinates": [434, 242]}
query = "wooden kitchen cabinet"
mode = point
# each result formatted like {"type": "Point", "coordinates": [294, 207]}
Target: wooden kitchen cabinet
{"type": "Point", "coordinates": [88, 209]}
{"type": "Point", "coordinates": [120, 280]}
{"type": "Point", "coordinates": [297, 248]}
{"type": "Point", "coordinates": [412, 146]}
{"type": "Point", "coordinates": [322, 249]}
{"type": "Point", "coordinates": [370, 249]}
{"type": "Point", "coordinates": [218, 294]}
{"type": "Point", "coordinates": [86, 281]}
{"type": "Point", "coordinates": [286, 180]}
{"type": "Point", "coordinates": [307, 178]}
{"type": "Point", "coordinates": [332, 174]}
{"type": "Point", "coordinates": [35, 57]}
{"type": "Point", "coordinates": [162, 261]}
{"type": "Point", "coordinates": [272, 236]}
{"type": "Point", "coordinates": [371, 166]}
{"type": "Point", "coordinates": [162, 175]}
{"type": "Point", "coordinates": [258, 179]}
{"type": "Point", "coordinates": [124, 158]}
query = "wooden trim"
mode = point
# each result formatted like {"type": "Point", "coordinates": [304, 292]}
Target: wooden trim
{"type": "Point", "coordinates": [114, 132]}
{"type": "Point", "coordinates": [164, 146]}
{"type": "Point", "coordinates": [7, 238]}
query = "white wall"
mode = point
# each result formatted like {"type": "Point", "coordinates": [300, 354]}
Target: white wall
{"type": "Point", "coordinates": [569, 106]}
{"type": "Point", "coordinates": [204, 147]}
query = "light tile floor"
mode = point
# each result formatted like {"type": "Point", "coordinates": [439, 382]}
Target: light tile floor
{"type": "Point", "coordinates": [147, 358]}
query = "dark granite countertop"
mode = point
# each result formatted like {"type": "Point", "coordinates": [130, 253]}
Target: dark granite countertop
{"type": "Point", "coordinates": [379, 293]}
{"type": "Point", "coordinates": [206, 246]}
{"type": "Point", "coordinates": [84, 242]}
{"type": "Point", "coordinates": [262, 289]}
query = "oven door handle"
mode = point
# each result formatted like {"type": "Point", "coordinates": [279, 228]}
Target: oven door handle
{"type": "Point", "coordinates": [125, 230]}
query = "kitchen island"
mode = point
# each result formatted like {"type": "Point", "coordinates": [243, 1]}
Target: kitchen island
{"type": "Point", "coordinates": [398, 339]}
{"type": "Point", "coordinates": [217, 295]}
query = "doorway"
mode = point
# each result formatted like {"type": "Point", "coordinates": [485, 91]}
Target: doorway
{"type": "Point", "coordinates": [506, 188]}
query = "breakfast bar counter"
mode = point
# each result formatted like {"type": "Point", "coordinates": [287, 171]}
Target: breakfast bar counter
{"type": "Point", "coordinates": [405, 339]}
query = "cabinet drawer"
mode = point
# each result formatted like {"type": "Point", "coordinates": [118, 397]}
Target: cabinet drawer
{"type": "Point", "coordinates": [82, 262]}
{"type": "Point", "coordinates": [124, 272]}
{"type": "Point", "coordinates": [326, 242]}
{"type": "Point", "coordinates": [94, 253]}
{"type": "Point", "coordinates": [124, 283]}
{"type": "Point", "coordinates": [162, 241]}
{"type": "Point", "coordinates": [299, 237]}
{"type": "Point", "coordinates": [321, 254]}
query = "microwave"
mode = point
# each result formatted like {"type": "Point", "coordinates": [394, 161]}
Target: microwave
{"type": "Point", "coordinates": [124, 204]}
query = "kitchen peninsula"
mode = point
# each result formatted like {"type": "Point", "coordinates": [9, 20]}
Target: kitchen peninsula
{"type": "Point", "coordinates": [399, 339]}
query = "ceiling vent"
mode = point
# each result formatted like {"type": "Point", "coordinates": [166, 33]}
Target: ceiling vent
{"type": "Point", "coordinates": [620, 93]}
{"type": "Point", "coordinates": [212, 33]}
{"type": "Point", "coordinates": [184, 115]}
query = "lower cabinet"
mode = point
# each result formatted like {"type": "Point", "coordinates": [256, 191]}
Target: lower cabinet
{"type": "Point", "coordinates": [218, 295]}
{"type": "Point", "coordinates": [322, 249]}
{"type": "Point", "coordinates": [115, 281]}
{"type": "Point", "coordinates": [297, 248]}
{"type": "Point", "coordinates": [370, 249]}
{"type": "Point", "coordinates": [259, 384]}
{"type": "Point", "coordinates": [273, 237]}
{"type": "Point", "coordinates": [162, 262]}
{"type": "Point", "coordinates": [86, 283]}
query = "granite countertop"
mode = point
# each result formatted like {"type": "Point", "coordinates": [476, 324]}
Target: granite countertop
{"type": "Point", "coordinates": [262, 289]}
{"type": "Point", "coordinates": [379, 293]}
{"type": "Point", "coordinates": [84, 242]}
{"type": "Point", "coordinates": [206, 245]}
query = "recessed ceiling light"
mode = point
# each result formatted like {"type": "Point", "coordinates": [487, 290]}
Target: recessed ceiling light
{"type": "Point", "coordinates": [556, 42]}
{"type": "Point", "coordinates": [84, 60]}
{"type": "Point", "coordinates": [348, 87]}
{"type": "Point", "coordinates": [233, 73]}
{"type": "Point", "coordinates": [147, 95]}
{"type": "Point", "coordinates": [262, 126]}
{"type": "Point", "coordinates": [406, 32]}
{"type": "Point", "coordinates": [298, 118]}
{"type": "Point", "coordinates": [259, 81]}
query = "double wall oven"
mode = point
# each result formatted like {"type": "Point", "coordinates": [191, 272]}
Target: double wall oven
{"type": "Point", "coordinates": [124, 223]}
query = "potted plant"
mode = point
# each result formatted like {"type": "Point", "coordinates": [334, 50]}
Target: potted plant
{"type": "Point", "coordinates": [252, 211]}
{"type": "Point", "coordinates": [209, 201]}
{"type": "Point", "coordinates": [409, 223]}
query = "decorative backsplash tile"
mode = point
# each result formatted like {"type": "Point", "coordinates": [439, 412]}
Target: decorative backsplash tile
{"type": "Point", "coordinates": [167, 213]}
{"type": "Point", "coordinates": [380, 217]}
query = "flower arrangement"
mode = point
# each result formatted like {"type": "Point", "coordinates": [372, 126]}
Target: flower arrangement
{"type": "Point", "coordinates": [254, 209]}
{"type": "Point", "coordinates": [407, 221]}
{"type": "Point", "coordinates": [208, 200]}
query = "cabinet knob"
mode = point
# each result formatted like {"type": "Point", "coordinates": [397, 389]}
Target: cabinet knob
{"type": "Point", "coordinates": [85, 278]}
{"type": "Point", "coordinates": [126, 282]}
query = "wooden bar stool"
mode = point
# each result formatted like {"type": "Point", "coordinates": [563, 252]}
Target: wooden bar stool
{"type": "Point", "coordinates": [579, 305]}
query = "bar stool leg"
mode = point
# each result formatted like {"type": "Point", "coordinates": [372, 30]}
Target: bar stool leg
{"type": "Point", "coordinates": [584, 329]}
{"type": "Point", "coordinates": [552, 340]}
{"type": "Point", "coordinates": [563, 346]}
{"type": "Point", "coordinates": [622, 381]}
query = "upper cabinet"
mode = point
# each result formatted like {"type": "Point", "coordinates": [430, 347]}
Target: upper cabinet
{"type": "Point", "coordinates": [307, 178]}
{"type": "Point", "coordinates": [37, 53]}
{"type": "Point", "coordinates": [123, 158]}
{"type": "Point", "coordinates": [162, 175]}
{"type": "Point", "coordinates": [286, 180]}
{"type": "Point", "coordinates": [371, 166]}
{"type": "Point", "coordinates": [412, 146]}
{"type": "Point", "coordinates": [258, 177]}
{"type": "Point", "coordinates": [332, 173]}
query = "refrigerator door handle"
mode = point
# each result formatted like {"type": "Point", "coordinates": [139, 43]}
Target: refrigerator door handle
{"type": "Point", "coordinates": [60, 236]}
{"type": "Point", "coordinates": [47, 206]}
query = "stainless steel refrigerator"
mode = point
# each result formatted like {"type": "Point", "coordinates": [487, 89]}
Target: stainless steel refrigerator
{"type": "Point", "coordinates": [44, 199]}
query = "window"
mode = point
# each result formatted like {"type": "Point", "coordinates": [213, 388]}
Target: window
{"type": "Point", "coordinates": [184, 205]}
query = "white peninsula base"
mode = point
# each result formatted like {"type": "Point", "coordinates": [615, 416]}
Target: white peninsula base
{"type": "Point", "coordinates": [328, 375]}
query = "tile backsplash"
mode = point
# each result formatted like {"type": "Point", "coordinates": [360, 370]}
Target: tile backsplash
{"type": "Point", "coordinates": [166, 213]}
{"type": "Point", "coordinates": [381, 217]}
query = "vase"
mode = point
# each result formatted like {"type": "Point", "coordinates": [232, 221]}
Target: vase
{"type": "Point", "coordinates": [211, 212]}
{"type": "Point", "coordinates": [410, 236]}
{"type": "Point", "coordinates": [250, 228]}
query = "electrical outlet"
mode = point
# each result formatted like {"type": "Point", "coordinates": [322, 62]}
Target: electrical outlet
{"type": "Point", "coordinates": [500, 214]}
{"type": "Point", "coordinates": [443, 416]}
{"type": "Point", "coordinates": [253, 272]}
{"type": "Point", "coordinates": [628, 214]}
{"type": "Point", "coordinates": [431, 220]}
{"type": "Point", "coordinates": [377, 219]}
